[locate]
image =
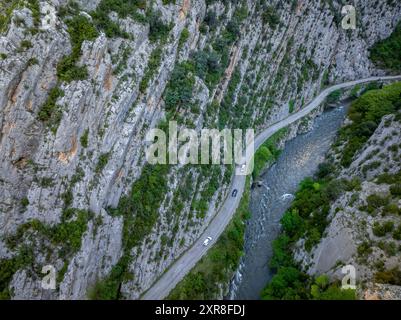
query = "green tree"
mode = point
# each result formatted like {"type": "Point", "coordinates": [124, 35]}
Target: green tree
{"type": "Point", "coordinates": [292, 223]}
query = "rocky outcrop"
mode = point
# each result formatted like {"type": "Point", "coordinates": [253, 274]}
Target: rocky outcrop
{"type": "Point", "coordinates": [40, 167]}
{"type": "Point", "coordinates": [353, 236]}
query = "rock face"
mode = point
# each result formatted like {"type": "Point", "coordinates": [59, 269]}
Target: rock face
{"type": "Point", "coordinates": [95, 152]}
{"type": "Point", "coordinates": [352, 237]}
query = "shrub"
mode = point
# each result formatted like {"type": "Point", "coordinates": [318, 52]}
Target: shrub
{"type": "Point", "coordinates": [208, 66]}
{"type": "Point", "coordinates": [140, 213]}
{"type": "Point", "coordinates": [123, 8]}
{"type": "Point", "coordinates": [377, 201]}
{"type": "Point", "coordinates": [6, 13]}
{"type": "Point", "coordinates": [50, 112]}
{"type": "Point", "coordinates": [232, 31]}
{"type": "Point", "coordinates": [292, 223]}
{"type": "Point", "coordinates": [392, 276]}
{"type": "Point", "coordinates": [26, 44]}
{"type": "Point", "coordinates": [335, 292]}
{"type": "Point", "coordinates": [178, 93]}
{"type": "Point", "coordinates": [67, 198]}
{"type": "Point", "coordinates": [281, 254]}
{"type": "Point", "coordinates": [66, 236]}
{"type": "Point", "coordinates": [211, 20]}
{"type": "Point", "coordinates": [33, 5]}
{"type": "Point", "coordinates": [389, 178]}
{"type": "Point", "coordinates": [80, 29]}
{"type": "Point", "coordinates": [157, 29]}
{"type": "Point", "coordinates": [78, 176]}
{"type": "Point", "coordinates": [390, 248]}
{"type": "Point", "coordinates": [291, 105]}
{"type": "Point", "coordinates": [24, 202]}
{"type": "Point", "coordinates": [68, 71]}
{"type": "Point", "coordinates": [396, 189]}
{"type": "Point", "coordinates": [380, 230]}
{"type": "Point", "coordinates": [287, 284]}
{"type": "Point", "coordinates": [7, 269]}
{"type": "Point", "coordinates": [32, 61]}
{"type": "Point", "coordinates": [397, 233]}
{"type": "Point", "coordinates": [268, 152]}
{"type": "Point", "coordinates": [153, 65]}
{"type": "Point", "coordinates": [364, 249]}
{"type": "Point", "coordinates": [108, 288]}
{"type": "Point", "coordinates": [183, 37]}
{"type": "Point", "coordinates": [84, 139]}
{"type": "Point", "coordinates": [103, 22]}
{"type": "Point", "coordinates": [334, 97]}
{"type": "Point", "coordinates": [391, 208]}
{"type": "Point", "coordinates": [270, 17]}
{"type": "Point", "coordinates": [387, 53]}
{"type": "Point", "coordinates": [46, 182]}
{"type": "Point", "coordinates": [102, 162]}
{"type": "Point", "coordinates": [325, 169]}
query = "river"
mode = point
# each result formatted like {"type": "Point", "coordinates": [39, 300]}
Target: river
{"type": "Point", "coordinates": [299, 159]}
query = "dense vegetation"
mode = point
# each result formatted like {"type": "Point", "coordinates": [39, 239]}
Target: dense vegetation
{"type": "Point", "coordinates": [270, 16]}
{"type": "Point", "coordinates": [50, 113]}
{"type": "Point", "coordinates": [135, 9]}
{"type": "Point", "coordinates": [68, 233]}
{"type": "Point", "coordinates": [267, 153]}
{"type": "Point", "coordinates": [7, 8]}
{"type": "Point", "coordinates": [9, 266]}
{"type": "Point", "coordinates": [387, 53]}
{"type": "Point", "coordinates": [85, 139]}
{"type": "Point", "coordinates": [366, 113]}
{"type": "Point", "coordinates": [80, 29]}
{"type": "Point", "coordinates": [153, 65]}
{"type": "Point", "coordinates": [334, 97]}
{"type": "Point", "coordinates": [307, 215]}
{"type": "Point", "coordinates": [305, 219]}
{"type": "Point", "coordinates": [179, 90]}
{"type": "Point", "coordinates": [6, 14]}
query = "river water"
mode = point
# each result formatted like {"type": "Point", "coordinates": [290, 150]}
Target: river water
{"type": "Point", "coordinates": [299, 159]}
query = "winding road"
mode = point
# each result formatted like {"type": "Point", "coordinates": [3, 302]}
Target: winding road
{"type": "Point", "coordinates": [176, 272]}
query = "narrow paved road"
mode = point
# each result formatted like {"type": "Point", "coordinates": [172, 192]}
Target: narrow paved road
{"type": "Point", "coordinates": [162, 287]}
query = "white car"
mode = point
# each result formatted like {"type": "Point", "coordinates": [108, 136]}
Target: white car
{"type": "Point", "coordinates": [207, 241]}
{"type": "Point", "coordinates": [243, 167]}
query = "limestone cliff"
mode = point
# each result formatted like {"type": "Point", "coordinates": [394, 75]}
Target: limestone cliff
{"type": "Point", "coordinates": [82, 83]}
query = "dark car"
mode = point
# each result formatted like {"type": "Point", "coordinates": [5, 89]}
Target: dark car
{"type": "Point", "coordinates": [235, 192]}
